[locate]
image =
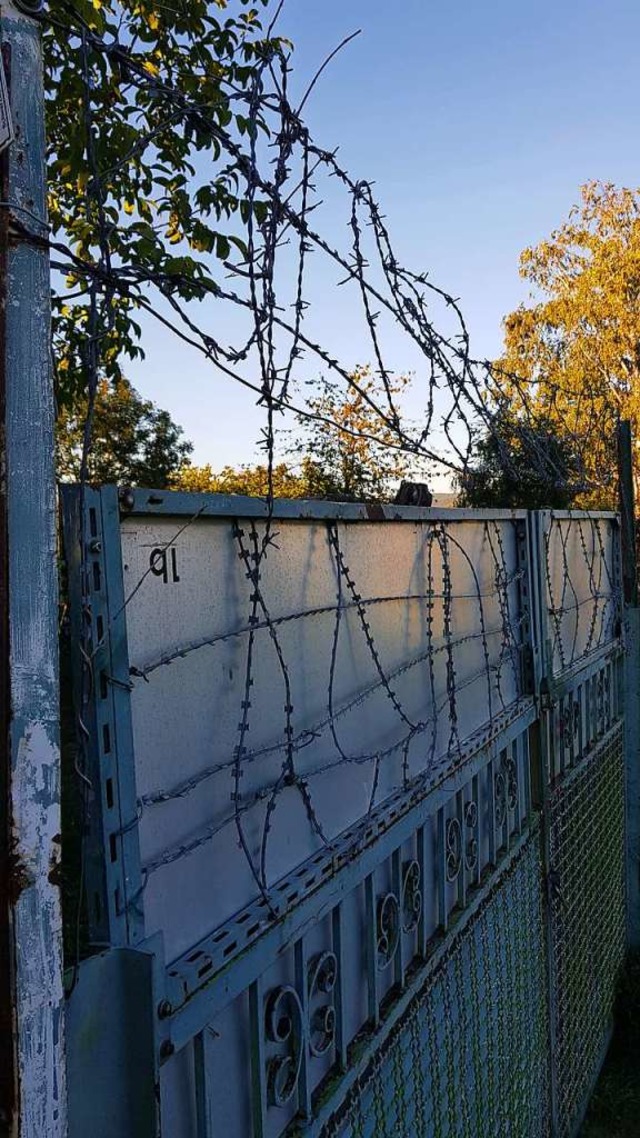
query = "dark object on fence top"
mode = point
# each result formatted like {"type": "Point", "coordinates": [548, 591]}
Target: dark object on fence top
{"type": "Point", "coordinates": [413, 494]}
{"type": "Point", "coordinates": [30, 7]}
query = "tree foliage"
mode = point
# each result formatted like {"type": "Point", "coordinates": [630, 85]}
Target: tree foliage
{"type": "Point", "coordinates": [134, 442]}
{"type": "Point", "coordinates": [503, 475]}
{"type": "Point", "coordinates": [125, 177]}
{"type": "Point", "coordinates": [578, 343]}
{"type": "Point", "coordinates": [349, 452]}
{"type": "Point", "coordinates": [355, 460]}
{"type": "Point", "coordinates": [250, 480]}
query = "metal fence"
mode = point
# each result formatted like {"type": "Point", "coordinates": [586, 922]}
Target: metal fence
{"type": "Point", "coordinates": [356, 817]}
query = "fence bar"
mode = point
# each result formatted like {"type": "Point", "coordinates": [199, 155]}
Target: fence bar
{"type": "Point", "coordinates": [339, 991]}
{"type": "Point", "coordinates": [631, 677]}
{"type": "Point", "coordinates": [204, 1102]}
{"type": "Point", "coordinates": [627, 514]}
{"type": "Point", "coordinates": [632, 762]}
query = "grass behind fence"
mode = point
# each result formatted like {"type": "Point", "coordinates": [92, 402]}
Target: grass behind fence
{"type": "Point", "coordinates": [614, 1111]}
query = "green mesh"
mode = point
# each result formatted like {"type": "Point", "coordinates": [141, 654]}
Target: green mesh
{"type": "Point", "coordinates": [588, 917]}
{"type": "Point", "coordinates": [470, 1058]}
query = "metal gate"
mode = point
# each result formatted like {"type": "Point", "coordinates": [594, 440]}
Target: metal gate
{"type": "Point", "coordinates": [356, 821]}
{"type": "Point", "coordinates": [584, 818]}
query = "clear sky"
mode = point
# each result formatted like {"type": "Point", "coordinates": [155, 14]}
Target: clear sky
{"type": "Point", "coordinates": [478, 122]}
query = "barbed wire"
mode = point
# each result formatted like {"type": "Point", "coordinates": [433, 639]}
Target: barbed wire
{"type": "Point", "coordinates": [462, 396]}
{"type": "Point", "coordinates": [580, 625]}
{"type": "Point", "coordinates": [469, 381]}
{"type": "Point", "coordinates": [445, 689]}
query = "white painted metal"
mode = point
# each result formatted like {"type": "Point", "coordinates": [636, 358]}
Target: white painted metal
{"type": "Point", "coordinates": [185, 715]}
{"type": "Point", "coordinates": [582, 591]}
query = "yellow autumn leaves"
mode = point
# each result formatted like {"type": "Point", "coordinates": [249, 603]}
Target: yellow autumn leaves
{"type": "Point", "coordinates": [577, 343]}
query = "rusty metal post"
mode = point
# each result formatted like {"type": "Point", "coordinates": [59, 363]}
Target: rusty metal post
{"type": "Point", "coordinates": [32, 1080]}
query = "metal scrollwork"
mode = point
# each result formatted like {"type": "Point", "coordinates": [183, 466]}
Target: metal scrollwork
{"type": "Point", "coordinates": [323, 973]}
{"type": "Point", "coordinates": [411, 897]}
{"type": "Point", "coordinates": [568, 726]}
{"type": "Point", "coordinates": [600, 699]}
{"type": "Point", "coordinates": [284, 1025]}
{"type": "Point", "coordinates": [453, 851]}
{"type": "Point", "coordinates": [571, 725]}
{"type": "Point", "coordinates": [471, 846]}
{"type": "Point", "coordinates": [500, 797]}
{"type": "Point", "coordinates": [511, 771]}
{"type": "Point", "coordinates": [388, 929]}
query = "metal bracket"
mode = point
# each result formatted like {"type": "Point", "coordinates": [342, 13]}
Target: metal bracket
{"type": "Point", "coordinates": [545, 695]}
{"type": "Point", "coordinates": [112, 1069]}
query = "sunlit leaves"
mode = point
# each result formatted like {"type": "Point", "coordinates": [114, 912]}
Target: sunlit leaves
{"type": "Point", "coordinates": [251, 480]}
{"type": "Point", "coordinates": [578, 343]}
{"type": "Point", "coordinates": [123, 146]}
{"type": "Point", "coordinates": [348, 449]}
{"type": "Point", "coordinates": [348, 461]}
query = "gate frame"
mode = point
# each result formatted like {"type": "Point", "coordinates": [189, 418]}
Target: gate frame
{"type": "Point", "coordinates": [177, 1025]}
{"type": "Point", "coordinates": [549, 689]}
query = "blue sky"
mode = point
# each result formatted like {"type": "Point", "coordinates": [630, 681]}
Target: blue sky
{"type": "Point", "coordinates": [478, 123]}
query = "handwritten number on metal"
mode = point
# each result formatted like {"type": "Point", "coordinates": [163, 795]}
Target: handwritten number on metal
{"type": "Point", "coordinates": [164, 563]}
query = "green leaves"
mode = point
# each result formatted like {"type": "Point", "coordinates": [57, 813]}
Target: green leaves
{"type": "Point", "coordinates": [135, 93]}
{"type": "Point", "coordinates": [134, 442]}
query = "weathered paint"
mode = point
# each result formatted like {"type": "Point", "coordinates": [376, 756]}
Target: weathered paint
{"type": "Point", "coordinates": [33, 597]}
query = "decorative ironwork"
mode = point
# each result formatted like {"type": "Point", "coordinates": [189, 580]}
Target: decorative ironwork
{"type": "Point", "coordinates": [608, 699]}
{"type": "Point", "coordinates": [453, 849]}
{"type": "Point", "coordinates": [388, 929]}
{"type": "Point", "coordinates": [511, 773]}
{"type": "Point", "coordinates": [500, 789]}
{"type": "Point", "coordinates": [411, 897]}
{"type": "Point", "coordinates": [471, 846]}
{"type": "Point", "coordinates": [600, 701]}
{"type": "Point", "coordinates": [284, 1025]}
{"type": "Point", "coordinates": [568, 727]}
{"type": "Point", "coordinates": [323, 973]}
{"type": "Point", "coordinates": [570, 723]}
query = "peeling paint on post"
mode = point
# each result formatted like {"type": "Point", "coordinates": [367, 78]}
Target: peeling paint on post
{"type": "Point", "coordinates": [31, 819]}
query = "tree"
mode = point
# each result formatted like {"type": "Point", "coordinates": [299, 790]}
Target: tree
{"type": "Point", "coordinates": [134, 442]}
{"type": "Point", "coordinates": [507, 475]}
{"type": "Point", "coordinates": [349, 452]}
{"type": "Point", "coordinates": [122, 79]}
{"type": "Point", "coordinates": [250, 480]}
{"type": "Point", "coordinates": [577, 345]}
{"type": "Point", "coordinates": [344, 452]}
